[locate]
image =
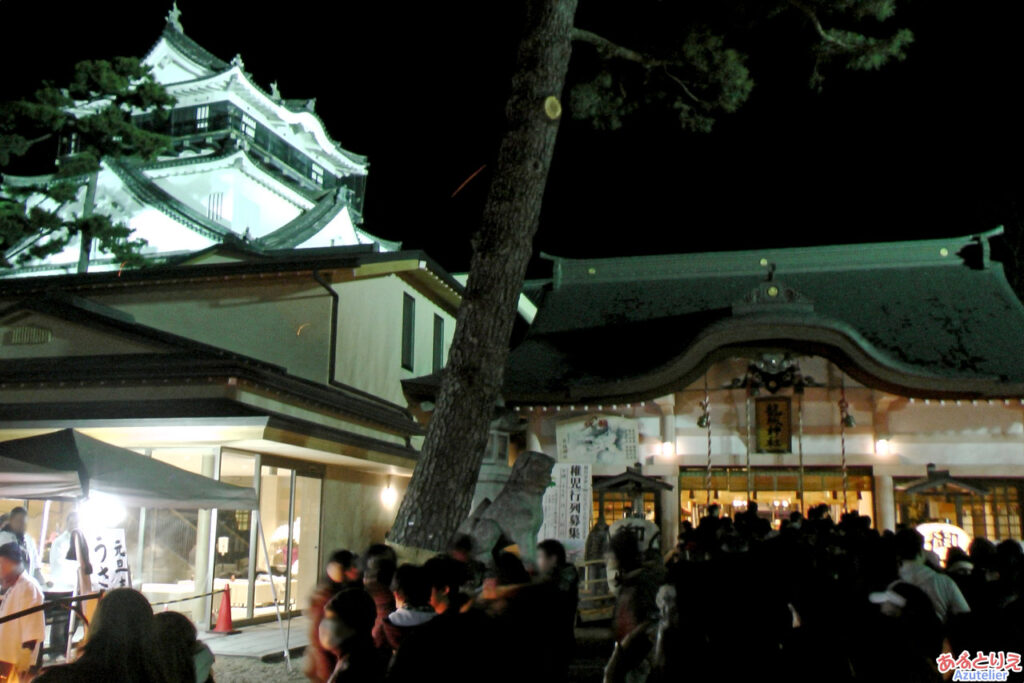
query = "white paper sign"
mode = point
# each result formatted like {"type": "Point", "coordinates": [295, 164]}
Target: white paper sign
{"type": "Point", "coordinates": [567, 507]}
{"type": "Point", "coordinates": [598, 439]}
{"type": "Point", "coordinates": [108, 554]}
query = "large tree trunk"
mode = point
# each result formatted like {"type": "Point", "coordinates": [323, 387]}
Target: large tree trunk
{"type": "Point", "coordinates": [442, 485]}
{"type": "Point", "coordinates": [85, 249]}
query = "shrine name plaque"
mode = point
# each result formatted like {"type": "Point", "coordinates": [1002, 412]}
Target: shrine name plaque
{"type": "Point", "coordinates": [773, 418]}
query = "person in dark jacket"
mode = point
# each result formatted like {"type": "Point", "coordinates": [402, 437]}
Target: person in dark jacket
{"type": "Point", "coordinates": [562, 581]}
{"type": "Point", "coordinates": [411, 587]}
{"type": "Point", "coordinates": [636, 614]}
{"type": "Point", "coordinates": [447, 578]}
{"type": "Point", "coordinates": [379, 565]}
{"type": "Point", "coordinates": [346, 632]}
{"type": "Point", "coordinates": [454, 645]}
{"type": "Point", "coordinates": [341, 571]}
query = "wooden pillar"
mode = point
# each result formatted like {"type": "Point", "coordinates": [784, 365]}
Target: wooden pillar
{"type": "Point", "coordinates": [885, 503]}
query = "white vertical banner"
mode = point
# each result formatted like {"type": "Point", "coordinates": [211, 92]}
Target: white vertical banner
{"type": "Point", "coordinates": [108, 554]}
{"type": "Point", "coordinates": [567, 507]}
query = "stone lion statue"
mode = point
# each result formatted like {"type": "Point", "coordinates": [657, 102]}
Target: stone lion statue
{"type": "Point", "coordinates": [516, 514]}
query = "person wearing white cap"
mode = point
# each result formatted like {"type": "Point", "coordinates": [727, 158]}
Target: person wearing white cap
{"type": "Point", "coordinates": [21, 638]}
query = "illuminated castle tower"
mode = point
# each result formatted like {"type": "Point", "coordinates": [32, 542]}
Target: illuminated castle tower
{"type": "Point", "coordinates": [246, 167]}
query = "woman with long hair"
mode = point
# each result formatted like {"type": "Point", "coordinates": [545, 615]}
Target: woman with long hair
{"type": "Point", "coordinates": [120, 645]}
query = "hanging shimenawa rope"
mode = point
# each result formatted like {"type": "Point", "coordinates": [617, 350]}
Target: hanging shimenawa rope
{"type": "Point", "coordinates": [706, 419]}
{"type": "Point", "coordinates": [844, 421]}
{"type": "Point", "coordinates": [749, 436]}
{"type": "Point", "coordinates": [800, 445]}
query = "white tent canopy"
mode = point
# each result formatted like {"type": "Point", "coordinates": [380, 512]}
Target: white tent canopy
{"type": "Point", "coordinates": [25, 480]}
{"type": "Point", "coordinates": [69, 465]}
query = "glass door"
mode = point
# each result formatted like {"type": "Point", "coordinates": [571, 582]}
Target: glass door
{"type": "Point", "coordinates": [235, 537]}
{"type": "Point", "coordinates": [273, 561]}
{"type": "Point", "coordinates": [290, 510]}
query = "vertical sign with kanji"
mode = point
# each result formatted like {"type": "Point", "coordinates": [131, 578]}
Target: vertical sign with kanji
{"type": "Point", "coordinates": [108, 554]}
{"type": "Point", "coordinates": [567, 506]}
{"type": "Point", "coordinates": [774, 433]}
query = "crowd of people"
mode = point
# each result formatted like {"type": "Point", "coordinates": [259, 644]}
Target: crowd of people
{"type": "Point", "coordinates": [126, 642]}
{"type": "Point", "coordinates": [813, 600]}
{"type": "Point", "coordinates": [374, 620]}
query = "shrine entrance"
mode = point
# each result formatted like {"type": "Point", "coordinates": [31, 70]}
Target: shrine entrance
{"type": "Point", "coordinates": [776, 491]}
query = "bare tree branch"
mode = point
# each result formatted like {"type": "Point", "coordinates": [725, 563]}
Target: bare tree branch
{"type": "Point", "coordinates": [825, 35]}
{"type": "Point", "coordinates": [611, 50]}
{"type": "Point", "coordinates": [682, 85]}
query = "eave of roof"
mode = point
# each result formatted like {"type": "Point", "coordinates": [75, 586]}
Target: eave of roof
{"type": "Point", "coordinates": [193, 359]}
{"type": "Point", "coordinates": [151, 194]}
{"type": "Point", "coordinates": [358, 260]}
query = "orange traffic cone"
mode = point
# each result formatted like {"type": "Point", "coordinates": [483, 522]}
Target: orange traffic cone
{"type": "Point", "coordinates": [224, 624]}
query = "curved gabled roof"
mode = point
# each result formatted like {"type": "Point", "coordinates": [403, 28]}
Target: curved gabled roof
{"type": "Point", "coordinates": [925, 318]}
{"type": "Point", "coordinates": [289, 111]}
{"type": "Point", "coordinates": [189, 48]}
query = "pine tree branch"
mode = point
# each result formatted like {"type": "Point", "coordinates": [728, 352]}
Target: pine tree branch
{"type": "Point", "coordinates": [682, 85]}
{"type": "Point", "coordinates": [611, 50]}
{"type": "Point", "coordinates": [812, 15]}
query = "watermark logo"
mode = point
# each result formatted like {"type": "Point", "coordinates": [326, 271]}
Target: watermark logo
{"type": "Point", "coordinates": [993, 666]}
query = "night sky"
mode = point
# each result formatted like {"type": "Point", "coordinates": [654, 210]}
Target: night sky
{"type": "Point", "coordinates": [929, 147]}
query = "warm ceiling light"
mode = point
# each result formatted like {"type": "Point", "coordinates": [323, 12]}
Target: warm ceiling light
{"type": "Point", "coordinates": [389, 496]}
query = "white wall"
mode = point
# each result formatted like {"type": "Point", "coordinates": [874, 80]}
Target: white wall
{"type": "Point", "coordinates": [370, 335]}
{"type": "Point", "coordinates": [286, 322]}
{"type": "Point", "coordinates": [354, 516]}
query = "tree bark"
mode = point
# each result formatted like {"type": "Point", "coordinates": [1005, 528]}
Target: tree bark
{"type": "Point", "coordinates": [439, 495]}
{"type": "Point", "coordinates": [85, 249]}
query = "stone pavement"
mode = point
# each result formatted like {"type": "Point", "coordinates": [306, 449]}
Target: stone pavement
{"type": "Point", "coordinates": [261, 657]}
{"type": "Point", "coordinates": [263, 642]}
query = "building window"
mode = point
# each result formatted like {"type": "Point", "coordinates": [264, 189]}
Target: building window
{"type": "Point", "coordinates": [215, 206]}
{"type": "Point", "coordinates": [408, 330]}
{"type": "Point", "coordinates": [203, 117]}
{"type": "Point", "coordinates": [612, 505]}
{"type": "Point", "coordinates": [995, 515]}
{"type": "Point", "coordinates": [317, 174]}
{"type": "Point", "coordinates": [438, 343]}
{"type": "Point", "coordinates": [249, 125]}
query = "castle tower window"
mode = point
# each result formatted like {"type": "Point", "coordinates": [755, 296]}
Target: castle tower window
{"type": "Point", "coordinates": [408, 330]}
{"type": "Point", "coordinates": [215, 206]}
{"type": "Point", "coordinates": [249, 125]}
{"type": "Point", "coordinates": [317, 174]}
{"type": "Point", "coordinates": [203, 117]}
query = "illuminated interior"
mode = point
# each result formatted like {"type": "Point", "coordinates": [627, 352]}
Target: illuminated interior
{"type": "Point", "coordinates": [775, 490]}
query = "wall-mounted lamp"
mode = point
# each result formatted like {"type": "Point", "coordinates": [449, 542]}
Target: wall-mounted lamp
{"type": "Point", "coordinates": [668, 449]}
{"type": "Point", "coordinates": [882, 446]}
{"type": "Point", "coordinates": [389, 496]}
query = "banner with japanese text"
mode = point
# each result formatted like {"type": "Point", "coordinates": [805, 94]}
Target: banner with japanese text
{"type": "Point", "coordinates": [108, 554]}
{"type": "Point", "coordinates": [567, 507]}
